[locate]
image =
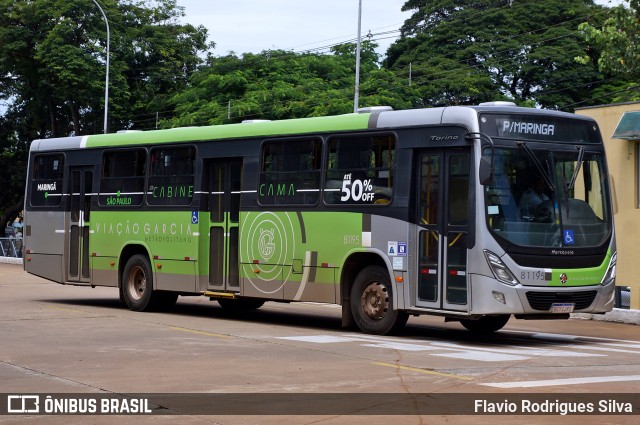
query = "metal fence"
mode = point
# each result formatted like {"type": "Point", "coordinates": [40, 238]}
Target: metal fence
{"type": "Point", "coordinates": [623, 297]}
{"type": "Point", "coordinates": [11, 247]}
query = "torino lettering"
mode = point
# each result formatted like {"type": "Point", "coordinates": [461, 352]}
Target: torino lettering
{"type": "Point", "coordinates": [528, 128]}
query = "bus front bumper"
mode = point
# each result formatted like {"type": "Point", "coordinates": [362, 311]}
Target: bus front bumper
{"type": "Point", "coordinates": [490, 296]}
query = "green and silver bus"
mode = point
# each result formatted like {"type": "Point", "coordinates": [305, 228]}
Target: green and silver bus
{"type": "Point", "coordinates": [386, 213]}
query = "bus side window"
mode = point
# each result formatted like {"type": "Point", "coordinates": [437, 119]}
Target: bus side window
{"type": "Point", "coordinates": [290, 172]}
{"type": "Point", "coordinates": [360, 170]}
{"type": "Point", "coordinates": [171, 176]}
{"type": "Point", "coordinates": [47, 179]}
{"type": "Point", "coordinates": [122, 177]}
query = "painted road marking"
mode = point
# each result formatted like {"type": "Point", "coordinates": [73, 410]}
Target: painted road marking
{"type": "Point", "coordinates": [401, 346]}
{"type": "Point", "coordinates": [317, 339]}
{"type": "Point", "coordinates": [483, 357]}
{"type": "Point", "coordinates": [582, 339]}
{"type": "Point", "coordinates": [607, 349]}
{"type": "Point", "coordinates": [425, 371]}
{"type": "Point", "coordinates": [517, 351]}
{"type": "Point", "coordinates": [577, 347]}
{"type": "Point", "coordinates": [193, 331]}
{"type": "Point", "coordinates": [566, 381]}
{"type": "Point", "coordinates": [55, 307]}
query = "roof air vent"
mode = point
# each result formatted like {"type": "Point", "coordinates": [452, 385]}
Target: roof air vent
{"type": "Point", "coordinates": [371, 109]}
{"type": "Point", "coordinates": [498, 103]}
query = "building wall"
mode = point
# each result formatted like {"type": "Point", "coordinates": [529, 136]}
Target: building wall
{"type": "Point", "coordinates": [622, 160]}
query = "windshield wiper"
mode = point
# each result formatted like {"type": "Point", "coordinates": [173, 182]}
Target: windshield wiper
{"type": "Point", "coordinates": [544, 173]}
{"type": "Point", "coordinates": [577, 170]}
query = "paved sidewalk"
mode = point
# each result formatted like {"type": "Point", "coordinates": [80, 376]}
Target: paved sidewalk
{"type": "Point", "coordinates": [618, 315]}
{"type": "Point", "coordinates": [11, 260]}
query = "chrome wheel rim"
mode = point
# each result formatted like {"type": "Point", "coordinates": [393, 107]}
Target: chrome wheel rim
{"type": "Point", "coordinates": [375, 301]}
{"type": "Point", "coordinates": [137, 283]}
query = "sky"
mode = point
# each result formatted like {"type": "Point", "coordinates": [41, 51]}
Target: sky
{"type": "Point", "coordinates": [251, 26]}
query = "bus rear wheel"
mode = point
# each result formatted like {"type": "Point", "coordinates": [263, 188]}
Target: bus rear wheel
{"type": "Point", "coordinates": [486, 324]}
{"type": "Point", "coordinates": [137, 287]}
{"type": "Point", "coordinates": [372, 303]}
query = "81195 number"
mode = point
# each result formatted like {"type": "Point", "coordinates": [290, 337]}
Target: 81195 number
{"type": "Point", "coordinates": [533, 275]}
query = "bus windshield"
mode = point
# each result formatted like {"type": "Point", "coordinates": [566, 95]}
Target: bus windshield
{"type": "Point", "coordinates": [546, 198]}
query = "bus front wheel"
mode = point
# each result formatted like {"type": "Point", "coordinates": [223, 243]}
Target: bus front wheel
{"type": "Point", "coordinates": [137, 287]}
{"type": "Point", "coordinates": [486, 324]}
{"type": "Point", "coordinates": [372, 303]}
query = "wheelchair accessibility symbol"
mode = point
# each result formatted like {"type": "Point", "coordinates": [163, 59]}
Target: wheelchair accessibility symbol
{"type": "Point", "coordinates": [568, 237]}
{"type": "Point", "coordinates": [194, 217]}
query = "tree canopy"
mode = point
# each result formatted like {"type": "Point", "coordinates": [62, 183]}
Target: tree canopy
{"type": "Point", "coordinates": [469, 51]}
{"type": "Point", "coordinates": [282, 84]}
{"type": "Point", "coordinates": [53, 52]}
{"type": "Point", "coordinates": [616, 47]}
{"type": "Point", "coordinates": [52, 71]}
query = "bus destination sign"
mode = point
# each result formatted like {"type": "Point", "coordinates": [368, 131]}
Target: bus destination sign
{"type": "Point", "coordinates": [539, 128]}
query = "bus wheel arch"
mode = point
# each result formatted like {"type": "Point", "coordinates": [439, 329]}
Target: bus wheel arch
{"type": "Point", "coordinates": [367, 295]}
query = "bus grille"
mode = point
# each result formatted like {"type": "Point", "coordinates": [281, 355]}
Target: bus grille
{"type": "Point", "coordinates": [543, 300]}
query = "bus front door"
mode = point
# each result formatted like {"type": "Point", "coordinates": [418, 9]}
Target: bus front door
{"type": "Point", "coordinates": [78, 220]}
{"type": "Point", "coordinates": [225, 178]}
{"type": "Point", "coordinates": [443, 214]}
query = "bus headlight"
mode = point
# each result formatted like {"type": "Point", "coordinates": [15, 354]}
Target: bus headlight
{"type": "Point", "coordinates": [499, 269]}
{"type": "Point", "coordinates": [610, 275]}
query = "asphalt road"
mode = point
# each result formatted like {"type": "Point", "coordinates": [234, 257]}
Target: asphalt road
{"type": "Point", "coordinates": [295, 358]}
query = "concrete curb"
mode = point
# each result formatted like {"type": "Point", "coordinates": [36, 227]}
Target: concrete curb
{"type": "Point", "coordinates": [11, 260]}
{"type": "Point", "coordinates": [618, 315]}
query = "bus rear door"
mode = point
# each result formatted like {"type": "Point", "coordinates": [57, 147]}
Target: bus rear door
{"type": "Point", "coordinates": [78, 220]}
{"type": "Point", "coordinates": [443, 212]}
{"type": "Point", "coordinates": [225, 178]}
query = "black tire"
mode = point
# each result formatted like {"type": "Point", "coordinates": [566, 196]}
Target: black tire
{"type": "Point", "coordinates": [486, 324]}
{"type": "Point", "coordinates": [122, 301]}
{"type": "Point", "coordinates": [372, 303]}
{"type": "Point", "coordinates": [242, 304]}
{"type": "Point", "coordinates": [137, 287]}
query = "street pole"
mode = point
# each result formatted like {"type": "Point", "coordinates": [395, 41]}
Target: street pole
{"type": "Point", "coordinates": [356, 98]}
{"type": "Point", "coordinates": [106, 83]}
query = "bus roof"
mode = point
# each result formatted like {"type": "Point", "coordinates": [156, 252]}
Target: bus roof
{"type": "Point", "coordinates": [454, 115]}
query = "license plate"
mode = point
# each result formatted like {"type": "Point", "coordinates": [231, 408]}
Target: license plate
{"type": "Point", "coordinates": [562, 307]}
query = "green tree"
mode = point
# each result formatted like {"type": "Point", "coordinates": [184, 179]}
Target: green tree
{"type": "Point", "coordinates": [282, 84]}
{"type": "Point", "coordinates": [12, 171]}
{"type": "Point", "coordinates": [160, 54]}
{"type": "Point", "coordinates": [52, 70]}
{"type": "Point", "coordinates": [52, 64]}
{"type": "Point", "coordinates": [470, 51]}
{"type": "Point", "coordinates": [615, 49]}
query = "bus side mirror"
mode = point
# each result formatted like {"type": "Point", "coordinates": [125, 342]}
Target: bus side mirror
{"type": "Point", "coordinates": [486, 171]}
